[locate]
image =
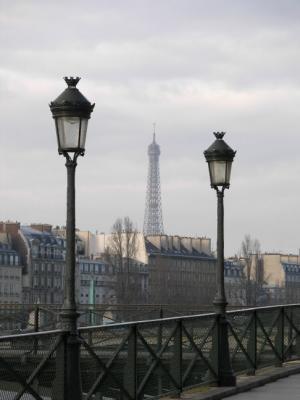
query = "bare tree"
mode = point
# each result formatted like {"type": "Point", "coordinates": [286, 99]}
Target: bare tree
{"type": "Point", "coordinates": [123, 248]}
{"type": "Point", "coordinates": [253, 278]}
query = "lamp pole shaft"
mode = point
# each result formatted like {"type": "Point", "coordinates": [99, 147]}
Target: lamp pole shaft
{"type": "Point", "coordinates": [226, 375]}
{"type": "Point", "coordinates": [220, 301]}
{"type": "Point", "coordinates": [69, 312]}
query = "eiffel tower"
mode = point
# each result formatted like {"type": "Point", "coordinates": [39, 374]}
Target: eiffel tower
{"type": "Point", "coordinates": [153, 221]}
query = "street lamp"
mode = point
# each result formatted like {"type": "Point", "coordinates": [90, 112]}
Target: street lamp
{"type": "Point", "coordinates": [71, 112]}
{"type": "Point", "coordinates": [219, 157]}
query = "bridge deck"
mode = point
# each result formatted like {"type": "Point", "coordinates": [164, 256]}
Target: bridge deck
{"type": "Point", "coordinates": [287, 388]}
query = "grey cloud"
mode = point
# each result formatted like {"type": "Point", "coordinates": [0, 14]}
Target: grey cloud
{"type": "Point", "coordinates": [193, 67]}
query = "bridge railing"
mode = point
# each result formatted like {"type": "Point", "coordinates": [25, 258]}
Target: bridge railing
{"type": "Point", "coordinates": [23, 318]}
{"type": "Point", "coordinates": [153, 358]}
{"type": "Point", "coordinates": [148, 359]}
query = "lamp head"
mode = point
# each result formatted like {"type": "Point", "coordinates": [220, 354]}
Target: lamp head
{"type": "Point", "coordinates": [71, 112]}
{"type": "Point", "coordinates": [219, 157]}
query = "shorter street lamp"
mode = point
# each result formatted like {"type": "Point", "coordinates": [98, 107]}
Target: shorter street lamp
{"type": "Point", "coordinates": [71, 112]}
{"type": "Point", "coordinates": [219, 157]}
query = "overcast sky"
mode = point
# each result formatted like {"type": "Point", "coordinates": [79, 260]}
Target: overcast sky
{"type": "Point", "coordinates": [191, 66]}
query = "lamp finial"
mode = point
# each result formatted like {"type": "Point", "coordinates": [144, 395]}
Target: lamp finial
{"type": "Point", "coordinates": [219, 135]}
{"type": "Point", "coordinates": [71, 82]}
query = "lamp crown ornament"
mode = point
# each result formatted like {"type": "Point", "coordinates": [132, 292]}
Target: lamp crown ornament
{"type": "Point", "coordinates": [219, 135]}
{"type": "Point", "coordinates": [71, 82]}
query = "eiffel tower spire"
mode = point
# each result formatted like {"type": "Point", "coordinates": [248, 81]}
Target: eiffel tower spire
{"type": "Point", "coordinates": [153, 221]}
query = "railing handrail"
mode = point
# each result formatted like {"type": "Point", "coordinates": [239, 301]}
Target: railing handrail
{"type": "Point", "coordinates": [264, 308]}
{"type": "Point", "coordinates": [182, 317]}
{"type": "Point", "coordinates": [32, 334]}
{"type": "Point", "coordinates": [146, 322]}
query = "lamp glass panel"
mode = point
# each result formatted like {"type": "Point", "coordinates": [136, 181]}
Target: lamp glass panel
{"type": "Point", "coordinates": [84, 124]}
{"type": "Point", "coordinates": [217, 171]}
{"type": "Point", "coordinates": [68, 132]}
{"type": "Point", "coordinates": [228, 171]}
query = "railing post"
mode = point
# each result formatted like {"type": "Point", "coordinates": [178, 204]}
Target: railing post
{"type": "Point", "coordinates": [59, 390]}
{"type": "Point", "coordinates": [296, 322]}
{"type": "Point", "coordinates": [252, 344]}
{"type": "Point", "coordinates": [176, 362]}
{"type": "Point", "coordinates": [36, 327]}
{"type": "Point", "coordinates": [214, 351]}
{"type": "Point", "coordinates": [279, 338]}
{"type": "Point", "coordinates": [130, 373]}
{"type": "Point", "coordinates": [290, 332]}
{"type": "Point", "coordinates": [159, 345]}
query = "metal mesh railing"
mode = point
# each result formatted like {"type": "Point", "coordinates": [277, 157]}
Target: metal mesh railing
{"type": "Point", "coordinates": [154, 358]}
{"type": "Point", "coordinates": [150, 358]}
{"type": "Point", "coordinates": [147, 359]}
{"type": "Point", "coordinates": [28, 365]}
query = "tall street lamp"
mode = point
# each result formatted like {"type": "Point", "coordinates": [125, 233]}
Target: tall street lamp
{"type": "Point", "coordinates": [219, 157]}
{"type": "Point", "coordinates": [71, 112]}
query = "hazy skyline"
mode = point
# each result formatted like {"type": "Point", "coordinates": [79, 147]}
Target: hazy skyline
{"type": "Point", "coordinates": [193, 67]}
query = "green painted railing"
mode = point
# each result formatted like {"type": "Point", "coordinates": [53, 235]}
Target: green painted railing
{"type": "Point", "coordinates": [148, 359]}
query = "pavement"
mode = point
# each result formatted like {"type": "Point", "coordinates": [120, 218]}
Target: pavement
{"type": "Point", "coordinates": [287, 388]}
{"type": "Point", "coordinates": [269, 383]}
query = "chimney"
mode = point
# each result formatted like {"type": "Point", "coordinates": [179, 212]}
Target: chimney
{"type": "Point", "coordinates": [196, 243]}
{"type": "Point", "coordinates": [187, 243]}
{"type": "Point", "coordinates": [155, 240]}
{"type": "Point", "coordinates": [176, 243]}
{"type": "Point", "coordinates": [206, 245]}
{"type": "Point", "coordinates": [164, 242]}
{"type": "Point", "coordinates": [170, 242]}
{"type": "Point", "coordinates": [42, 227]}
{"type": "Point", "coordinates": [11, 228]}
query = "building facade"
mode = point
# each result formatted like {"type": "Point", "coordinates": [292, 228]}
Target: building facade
{"type": "Point", "coordinates": [282, 273]}
{"type": "Point", "coordinates": [43, 257]}
{"type": "Point", "coordinates": [10, 272]}
{"type": "Point", "coordinates": [234, 283]}
{"type": "Point", "coordinates": [163, 269]}
{"type": "Point", "coordinates": [182, 270]}
{"type": "Point", "coordinates": [95, 282]}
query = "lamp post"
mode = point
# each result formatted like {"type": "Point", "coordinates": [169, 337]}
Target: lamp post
{"type": "Point", "coordinates": [219, 157]}
{"type": "Point", "coordinates": [71, 112]}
